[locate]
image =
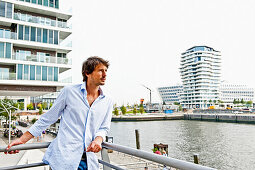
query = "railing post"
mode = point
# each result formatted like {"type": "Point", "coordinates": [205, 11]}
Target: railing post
{"type": "Point", "coordinates": [105, 157]}
{"type": "Point", "coordinates": [196, 158]}
{"type": "Point", "coordinates": [137, 139]}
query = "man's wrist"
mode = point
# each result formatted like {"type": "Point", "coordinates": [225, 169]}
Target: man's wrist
{"type": "Point", "coordinates": [99, 139]}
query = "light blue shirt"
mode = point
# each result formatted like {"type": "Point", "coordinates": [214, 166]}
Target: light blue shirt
{"type": "Point", "coordinates": [79, 125]}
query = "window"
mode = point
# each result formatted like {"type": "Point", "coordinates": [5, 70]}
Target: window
{"type": "Point", "coordinates": [55, 73]}
{"type": "Point", "coordinates": [1, 50]}
{"type": "Point", "coordinates": [34, 1]}
{"type": "Point", "coordinates": [50, 73]}
{"type": "Point", "coordinates": [45, 35]}
{"type": "Point", "coordinates": [8, 50]}
{"type": "Point", "coordinates": [39, 35]}
{"type": "Point", "coordinates": [56, 4]}
{"type": "Point", "coordinates": [38, 72]}
{"type": "Point", "coordinates": [9, 10]}
{"type": "Point", "coordinates": [26, 33]}
{"type": "Point", "coordinates": [26, 71]}
{"type": "Point", "coordinates": [50, 36]}
{"type": "Point", "coordinates": [2, 9]}
{"type": "Point", "coordinates": [51, 3]}
{"type": "Point", "coordinates": [20, 71]}
{"type": "Point", "coordinates": [40, 2]}
{"type": "Point", "coordinates": [56, 37]}
{"type": "Point", "coordinates": [44, 73]}
{"type": "Point", "coordinates": [1, 33]}
{"type": "Point", "coordinates": [45, 3]}
{"type": "Point", "coordinates": [32, 35]}
{"type": "Point", "coordinates": [32, 72]}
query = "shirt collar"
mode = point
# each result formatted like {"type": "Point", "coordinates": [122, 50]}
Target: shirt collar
{"type": "Point", "coordinates": [83, 88]}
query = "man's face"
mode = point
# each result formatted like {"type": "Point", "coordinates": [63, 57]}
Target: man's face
{"type": "Point", "coordinates": [98, 76]}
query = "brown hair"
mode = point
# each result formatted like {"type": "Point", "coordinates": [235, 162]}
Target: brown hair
{"type": "Point", "coordinates": [90, 64]}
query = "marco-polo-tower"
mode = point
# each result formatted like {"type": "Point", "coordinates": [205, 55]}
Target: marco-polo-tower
{"type": "Point", "coordinates": [200, 74]}
{"type": "Point", "coordinates": [34, 47]}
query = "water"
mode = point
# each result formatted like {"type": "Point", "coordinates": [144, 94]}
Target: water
{"type": "Point", "coordinates": [219, 145]}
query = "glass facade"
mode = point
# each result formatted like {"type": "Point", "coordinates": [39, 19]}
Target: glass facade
{"type": "Point", "coordinates": [36, 34]}
{"type": "Point", "coordinates": [5, 50]}
{"type": "Point", "coordinates": [32, 72]}
{"type": "Point", "coordinates": [6, 9]}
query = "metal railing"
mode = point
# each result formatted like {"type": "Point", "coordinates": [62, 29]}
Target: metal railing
{"type": "Point", "coordinates": [171, 162]}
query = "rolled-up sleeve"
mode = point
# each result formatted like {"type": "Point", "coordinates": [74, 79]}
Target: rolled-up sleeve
{"type": "Point", "coordinates": [105, 126]}
{"type": "Point", "coordinates": [51, 116]}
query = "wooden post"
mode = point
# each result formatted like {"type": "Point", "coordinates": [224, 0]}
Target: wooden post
{"type": "Point", "coordinates": [196, 158]}
{"type": "Point", "coordinates": [137, 139]}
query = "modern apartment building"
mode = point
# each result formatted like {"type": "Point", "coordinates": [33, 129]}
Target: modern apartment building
{"type": "Point", "coordinates": [200, 73]}
{"type": "Point", "coordinates": [34, 47]}
{"type": "Point", "coordinates": [170, 94]}
{"type": "Point", "coordinates": [230, 92]}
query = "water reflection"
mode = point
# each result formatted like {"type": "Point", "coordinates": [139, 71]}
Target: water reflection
{"type": "Point", "coordinates": [219, 145]}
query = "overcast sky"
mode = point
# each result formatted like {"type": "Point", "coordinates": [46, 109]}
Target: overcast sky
{"type": "Point", "coordinates": [144, 39]}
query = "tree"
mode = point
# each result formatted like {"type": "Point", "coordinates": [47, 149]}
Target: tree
{"type": "Point", "coordinates": [34, 120]}
{"type": "Point", "coordinates": [116, 111]}
{"type": "Point", "coordinates": [44, 105]}
{"type": "Point", "coordinates": [215, 102]}
{"type": "Point", "coordinates": [123, 109]}
{"type": "Point", "coordinates": [40, 111]}
{"type": "Point", "coordinates": [51, 104]}
{"type": "Point", "coordinates": [249, 103]}
{"type": "Point", "coordinates": [30, 106]}
{"type": "Point", "coordinates": [141, 109]}
{"type": "Point", "coordinates": [242, 101]}
{"type": "Point", "coordinates": [210, 101]}
{"type": "Point", "coordinates": [180, 107]}
{"type": "Point", "coordinates": [7, 106]}
{"type": "Point", "coordinates": [135, 110]}
{"type": "Point", "coordinates": [234, 102]}
{"type": "Point", "coordinates": [176, 103]}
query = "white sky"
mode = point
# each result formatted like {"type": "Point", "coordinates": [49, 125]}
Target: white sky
{"type": "Point", "coordinates": [144, 39]}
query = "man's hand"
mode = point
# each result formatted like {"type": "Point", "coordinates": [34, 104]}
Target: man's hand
{"type": "Point", "coordinates": [15, 142]}
{"type": "Point", "coordinates": [95, 145]}
{"type": "Point", "coordinates": [22, 140]}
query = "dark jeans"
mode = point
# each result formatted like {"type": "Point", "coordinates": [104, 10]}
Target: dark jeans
{"type": "Point", "coordinates": [83, 163]}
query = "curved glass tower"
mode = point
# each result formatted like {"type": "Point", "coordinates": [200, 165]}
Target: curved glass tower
{"type": "Point", "coordinates": [200, 74]}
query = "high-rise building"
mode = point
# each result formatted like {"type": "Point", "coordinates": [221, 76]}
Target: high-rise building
{"type": "Point", "coordinates": [170, 94]}
{"type": "Point", "coordinates": [200, 73]}
{"type": "Point", "coordinates": [34, 47]}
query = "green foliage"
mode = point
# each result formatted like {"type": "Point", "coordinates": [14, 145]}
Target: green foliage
{"type": "Point", "coordinates": [30, 106]}
{"type": "Point", "coordinates": [44, 105]}
{"type": "Point", "coordinates": [242, 101]}
{"type": "Point", "coordinates": [154, 150]}
{"type": "Point", "coordinates": [51, 104]}
{"type": "Point", "coordinates": [40, 111]}
{"type": "Point", "coordinates": [123, 109]}
{"type": "Point", "coordinates": [176, 103]}
{"type": "Point", "coordinates": [6, 106]}
{"type": "Point", "coordinates": [34, 120]}
{"type": "Point", "coordinates": [141, 109]}
{"type": "Point", "coordinates": [116, 111]}
{"type": "Point", "coordinates": [249, 103]}
{"type": "Point", "coordinates": [180, 107]}
{"type": "Point", "coordinates": [134, 110]}
{"type": "Point", "coordinates": [20, 105]}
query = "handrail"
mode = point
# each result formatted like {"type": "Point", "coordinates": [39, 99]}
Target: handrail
{"type": "Point", "coordinates": [180, 164]}
{"type": "Point", "coordinates": [156, 158]}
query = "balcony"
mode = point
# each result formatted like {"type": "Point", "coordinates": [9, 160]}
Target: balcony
{"type": "Point", "coordinates": [42, 58]}
{"type": "Point", "coordinates": [41, 20]}
{"type": "Point", "coordinates": [7, 76]}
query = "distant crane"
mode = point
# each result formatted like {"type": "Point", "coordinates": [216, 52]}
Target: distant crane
{"type": "Point", "coordinates": [148, 89]}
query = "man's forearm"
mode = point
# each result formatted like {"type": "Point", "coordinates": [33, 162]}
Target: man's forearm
{"type": "Point", "coordinates": [26, 137]}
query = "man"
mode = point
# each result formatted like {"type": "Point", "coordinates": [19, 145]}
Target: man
{"type": "Point", "coordinates": [85, 120]}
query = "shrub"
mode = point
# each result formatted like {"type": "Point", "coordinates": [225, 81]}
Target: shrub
{"type": "Point", "coordinates": [30, 106]}
{"type": "Point", "coordinates": [123, 109]}
{"type": "Point", "coordinates": [116, 111]}
{"type": "Point", "coordinates": [34, 120]}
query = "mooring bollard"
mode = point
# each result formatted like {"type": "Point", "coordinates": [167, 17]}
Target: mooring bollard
{"type": "Point", "coordinates": [196, 158]}
{"type": "Point", "coordinates": [137, 139]}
